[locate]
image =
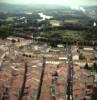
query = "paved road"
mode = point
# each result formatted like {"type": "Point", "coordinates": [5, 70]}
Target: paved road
{"type": "Point", "coordinates": [70, 75]}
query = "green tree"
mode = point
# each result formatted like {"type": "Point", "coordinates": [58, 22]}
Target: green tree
{"type": "Point", "coordinates": [95, 67]}
{"type": "Point", "coordinates": [86, 66]}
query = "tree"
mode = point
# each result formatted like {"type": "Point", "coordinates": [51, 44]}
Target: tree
{"type": "Point", "coordinates": [86, 66]}
{"type": "Point", "coordinates": [81, 56]}
{"type": "Point", "coordinates": [95, 66]}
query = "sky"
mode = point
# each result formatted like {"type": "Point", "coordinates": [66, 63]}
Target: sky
{"type": "Point", "coordinates": [57, 2]}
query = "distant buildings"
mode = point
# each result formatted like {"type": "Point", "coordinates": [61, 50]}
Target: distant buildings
{"type": "Point", "coordinates": [14, 55]}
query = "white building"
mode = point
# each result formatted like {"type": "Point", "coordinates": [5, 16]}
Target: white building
{"type": "Point", "coordinates": [88, 49]}
{"type": "Point", "coordinates": [76, 57]}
